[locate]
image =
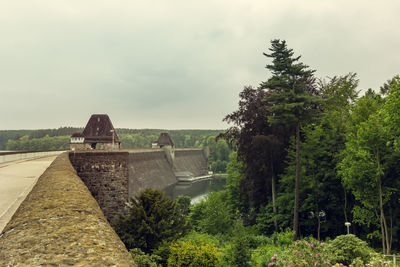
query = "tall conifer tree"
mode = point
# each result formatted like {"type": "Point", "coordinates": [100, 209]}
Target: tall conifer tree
{"type": "Point", "coordinates": [293, 101]}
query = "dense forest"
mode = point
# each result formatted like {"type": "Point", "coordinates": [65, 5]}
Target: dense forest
{"type": "Point", "coordinates": [309, 155]}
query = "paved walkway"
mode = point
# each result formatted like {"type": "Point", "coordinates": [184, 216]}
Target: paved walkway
{"type": "Point", "coordinates": [16, 180]}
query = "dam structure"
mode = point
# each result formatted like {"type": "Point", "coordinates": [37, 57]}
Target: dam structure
{"type": "Point", "coordinates": [113, 177]}
{"type": "Point", "coordinates": [66, 218]}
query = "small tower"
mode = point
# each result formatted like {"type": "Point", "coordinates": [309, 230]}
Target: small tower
{"type": "Point", "coordinates": [99, 133]}
{"type": "Point", "coordinates": [164, 140]}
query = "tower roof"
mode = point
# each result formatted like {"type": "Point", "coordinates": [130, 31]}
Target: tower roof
{"type": "Point", "coordinates": [165, 140]}
{"type": "Point", "coordinates": [100, 129]}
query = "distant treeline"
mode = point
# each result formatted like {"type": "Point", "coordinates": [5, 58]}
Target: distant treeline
{"type": "Point", "coordinates": [58, 139]}
{"type": "Point", "coordinates": [16, 135]}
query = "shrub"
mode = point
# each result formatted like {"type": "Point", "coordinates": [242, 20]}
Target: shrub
{"type": "Point", "coordinates": [200, 238]}
{"type": "Point", "coordinates": [152, 218]}
{"type": "Point", "coordinates": [142, 259]}
{"type": "Point", "coordinates": [378, 260]}
{"type": "Point", "coordinates": [186, 253]}
{"type": "Point", "coordinates": [302, 253]}
{"type": "Point", "coordinates": [163, 253]}
{"type": "Point", "coordinates": [284, 238]}
{"type": "Point", "coordinates": [211, 216]}
{"type": "Point", "coordinates": [183, 204]}
{"type": "Point", "coordinates": [238, 252]}
{"type": "Point", "coordinates": [346, 248]}
{"type": "Point", "coordinates": [299, 253]}
{"type": "Point", "coordinates": [263, 254]}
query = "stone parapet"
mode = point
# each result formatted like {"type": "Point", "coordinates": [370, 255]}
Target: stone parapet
{"type": "Point", "coordinates": [61, 224]}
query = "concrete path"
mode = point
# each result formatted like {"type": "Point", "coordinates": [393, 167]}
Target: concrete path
{"type": "Point", "coordinates": [17, 178]}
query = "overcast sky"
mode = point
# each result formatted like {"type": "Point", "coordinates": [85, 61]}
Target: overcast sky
{"type": "Point", "coordinates": [176, 64]}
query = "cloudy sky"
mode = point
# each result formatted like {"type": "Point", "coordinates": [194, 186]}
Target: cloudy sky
{"type": "Point", "coordinates": [176, 64]}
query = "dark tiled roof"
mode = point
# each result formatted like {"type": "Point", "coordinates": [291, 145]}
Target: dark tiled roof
{"type": "Point", "coordinates": [165, 140]}
{"type": "Point", "coordinates": [100, 129]}
{"type": "Point", "coordinates": [77, 135]}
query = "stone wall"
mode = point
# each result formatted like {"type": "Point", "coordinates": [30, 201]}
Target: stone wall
{"type": "Point", "coordinates": [114, 176]}
{"type": "Point", "coordinates": [149, 169]}
{"type": "Point", "coordinates": [191, 160]}
{"type": "Point", "coordinates": [106, 176]}
{"type": "Point", "coordinates": [61, 224]}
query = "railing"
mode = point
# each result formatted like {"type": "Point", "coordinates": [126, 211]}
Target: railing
{"type": "Point", "coordinates": [22, 155]}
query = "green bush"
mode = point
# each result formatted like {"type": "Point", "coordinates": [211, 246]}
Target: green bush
{"type": "Point", "coordinates": [238, 251]}
{"type": "Point", "coordinates": [163, 252]}
{"type": "Point", "coordinates": [211, 216]}
{"type": "Point", "coordinates": [300, 253]}
{"type": "Point", "coordinates": [187, 253]}
{"type": "Point", "coordinates": [263, 254]}
{"type": "Point", "coordinates": [346, 248]}
{"type": "Point", "coordinates": [259, 240]}
{"type": "Point", "coordinates": [377, 260]}
{"type": "Point", "coordinates": [200, 238]}
{"type": "Point", "coordinates": [284, 238]}
{"type": "Point", "coordinates": [152, 218]}
{"type": "Point", "coordinates": [143, 260]}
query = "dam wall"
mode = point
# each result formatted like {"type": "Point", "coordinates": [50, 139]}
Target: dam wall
{"type": "Point", "coordinates": [113, 177]}
{"type": "Point", "coordinates": [150, 168]}
{"type": "Point", "coordinates": [60, 223]}
{"type": "Point", "coordinates": [194, 161]}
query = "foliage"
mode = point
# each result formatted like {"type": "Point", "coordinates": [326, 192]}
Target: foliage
{"type": "Point", "coordinates": [219, 154]}
{"type": "Point", "coordinates": [376, 260]}
{"type": "Point", "coordinates": [257, 148]}
{"type": "Point", "coordinates": [321, 148]}
{"type": "Point", "coordinates": [366, 170]}
{"type": "Point", "coordinates": [144, 260]}
{"type": "Point", "coordinates": [236, 172]}
{"type": "Point", "coordinates": [183, 204]}
{"type": "Point", "coordinates": [303, 253]}
{"type": "Point", "coordinates": [200, 238]}
{"type": "Point", "coordinates": [294, 101]}
{"type": "Point", "coordinates": [211, 215]}
{"type": "Point", "coordinates": [391, 112]}
{"type": "Point", "coordinates": [347, 248]}
{"type": "Point", "coordinates": [186, 253]}
{"type": "Point", "coordinates": [238, 252]}
{"type": "Point", "coordinates": [36, 144]}
{"type": "Point", "coordinates": [193, 237]}
{"type": "Point", "coordinates": [277, 243]}
{"type": "Point", "coordinates": [152, 218]}
{"type": "Point", "coordinates": [263, 254]}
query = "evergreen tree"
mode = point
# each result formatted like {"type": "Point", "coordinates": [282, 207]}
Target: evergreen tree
{"type": "Point", "coordinates": [152, 218]}
{"type": "Point", "coordinates": [293, 99]}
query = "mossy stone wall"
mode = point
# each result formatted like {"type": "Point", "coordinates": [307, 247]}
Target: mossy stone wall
{"type": "Point", "coordinates": [61, 224]}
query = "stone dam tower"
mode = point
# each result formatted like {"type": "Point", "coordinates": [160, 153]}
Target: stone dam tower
{"type": "Point", "coordinates": [113, 175]}
{"type": "Point", "coordinates": [99, 133]}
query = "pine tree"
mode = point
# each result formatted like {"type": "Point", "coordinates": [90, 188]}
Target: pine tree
{"type": "Point", "coordinates": [293, 99]}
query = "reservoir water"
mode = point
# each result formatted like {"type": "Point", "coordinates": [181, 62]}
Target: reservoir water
{"type": "Point", "coordinates": [196, 190]}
